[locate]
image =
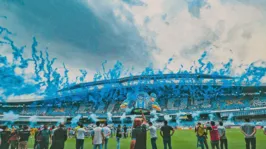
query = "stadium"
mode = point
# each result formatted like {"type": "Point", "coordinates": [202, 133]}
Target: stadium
{"type": "Point", "coordinates": [132, 74]}
{"type": "Point", "coordinates": [184, 100]}
{"type": "Point", "coordinates": [177, 93]}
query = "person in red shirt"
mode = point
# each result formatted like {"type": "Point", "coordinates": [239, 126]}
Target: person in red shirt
{"type": "Point", "coordinates": [214, 134]}
{"type": "Point", "coordinates": [13, 138]}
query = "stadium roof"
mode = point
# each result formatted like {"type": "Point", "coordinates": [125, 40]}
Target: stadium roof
{"type": "Point", "coordinates": [85, 88]}
{"type": "Point", "coordinates": [147, 77]}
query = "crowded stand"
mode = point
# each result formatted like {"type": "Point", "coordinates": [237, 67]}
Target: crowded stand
{"type": "Point", "coordinates": [162, 108]}
{"type": "Point", "coordinates": [174, 105]}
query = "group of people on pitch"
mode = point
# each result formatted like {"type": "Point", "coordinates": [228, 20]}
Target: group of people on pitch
{"type": "Point", "coordinates": [139, 134]}
{"type": "Point", "coordinates": [14, 138]}
{"type": "Point", "coordinates": [218, 135]}
{"type": "Point", "coordinates": [44, 137]}
{"type": "Point", "coordinates": [100, 135]}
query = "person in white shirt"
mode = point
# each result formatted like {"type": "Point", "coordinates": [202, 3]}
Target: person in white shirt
{"type": "Point", "coordinates": [153, 135]}
{"type": "Point", "coordinates": [107, 133]}
{"type": "Point", "coordinates": [97, 137]}
{"type": "Point", "coordinates": [264, 130]}
{"type": "Point", "coordinates": [222, 134]}
{"type": "Point", "coordinates": [80, 137]}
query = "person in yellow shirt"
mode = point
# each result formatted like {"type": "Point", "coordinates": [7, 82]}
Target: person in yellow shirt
{"type": "Point", "coordinates": [13, 129]}
{"type": "Point", "coordinates": [32, 131]}
{"type": "Point", "coordinates": [201, 136]}
{"type": "Point", "coordinates": [76, 132]}
{"type": "Point", "coordinates": [76, 129]}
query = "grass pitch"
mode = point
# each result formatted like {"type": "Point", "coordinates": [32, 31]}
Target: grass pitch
{"type": "Point", "coordinates": [182, 139]}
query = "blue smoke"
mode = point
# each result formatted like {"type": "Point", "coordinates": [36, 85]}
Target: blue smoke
{"type": "Point", "coordinates": [109, 117]}
{"type": "Point", "coordinates": [46, 80]}
{"type": "Point", "coordinates": [196, 115]}
{"type": "Point", "coordinates": [211, 116]}
{"type": "Point", "coordinates": [94, 118]}
{"type": "Point", "coordinates": [10, 116]}
{"type": "Point", "coordinates": [155, 116]}
{"type": "Point", "coordinates": [167, 117]}
{"type": "Point", "coordinates": [33, 121]}
{"type": "Point", "coordinates": [75, 120]}
{"type": "Point", "coordinates": [230, 120]}
{"type": "Point", "coordinates": [123, 117]}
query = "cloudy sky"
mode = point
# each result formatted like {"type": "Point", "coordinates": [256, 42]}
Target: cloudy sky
{"type": "Point", "coordinates": [85, 33]}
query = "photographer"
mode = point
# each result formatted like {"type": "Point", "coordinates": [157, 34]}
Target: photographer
{"type": "Point", "coordinates": [201, 136]}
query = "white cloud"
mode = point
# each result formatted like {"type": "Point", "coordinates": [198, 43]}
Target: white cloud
{"type": "Point", "coordinates": [24, 98]}
{"type": "Point", "coordinates": [232, 30]}
{"type": "Point", "coordinates": [236, 31]}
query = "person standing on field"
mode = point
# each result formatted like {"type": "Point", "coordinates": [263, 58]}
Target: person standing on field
{"type": "Point", "coordinates": [5, 134]}
{"type": "Point", "coordinates": [45, 137]}
{"type": "Point", "coordinates": [60, 137]}
{"type": "Point", "coordinates": [249, 131]}
{"type": "Point", "coordinates": [13, 139]}
{"type": "Point", "coordinates": [223, 138]}
{"type": "Point", "coordinates": [167, 132]}
{"type": "Point", "coordinates": [80, 137]}
{"type": "Point", "coordinates": [214, 134]}
{"type": "Point", "coordinates": [139, 133]}
{"type": "Point", "coordinates": [125, 131]}
{"type": "Point", "coordinates": [201, 136]}
{"type": "Point", "coordinates": [107, 133]}
{"type": "Point", "coordinates": [24, 138]}
{"type": "Point", "coordinates": [118, 136]}
{"type": "Point", "coordinates": [74, 133]}
{"type": "Point", "coordinates": [97, 137]}
{"type": "Point", "coordinates": [153, 135]}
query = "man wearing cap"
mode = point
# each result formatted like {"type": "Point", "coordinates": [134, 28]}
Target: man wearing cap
{"type": "Point", "coordinates": [139, 133]}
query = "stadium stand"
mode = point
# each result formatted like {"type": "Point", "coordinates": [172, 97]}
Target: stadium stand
{"type": "Point", "coordinates": [172, 98]}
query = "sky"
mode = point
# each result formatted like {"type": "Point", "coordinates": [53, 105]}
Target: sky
{"type": "Point", "coordinates": [84, 34]}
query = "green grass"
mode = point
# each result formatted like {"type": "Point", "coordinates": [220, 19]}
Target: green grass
{"type": "Point", "coordinates": [182, 139]}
